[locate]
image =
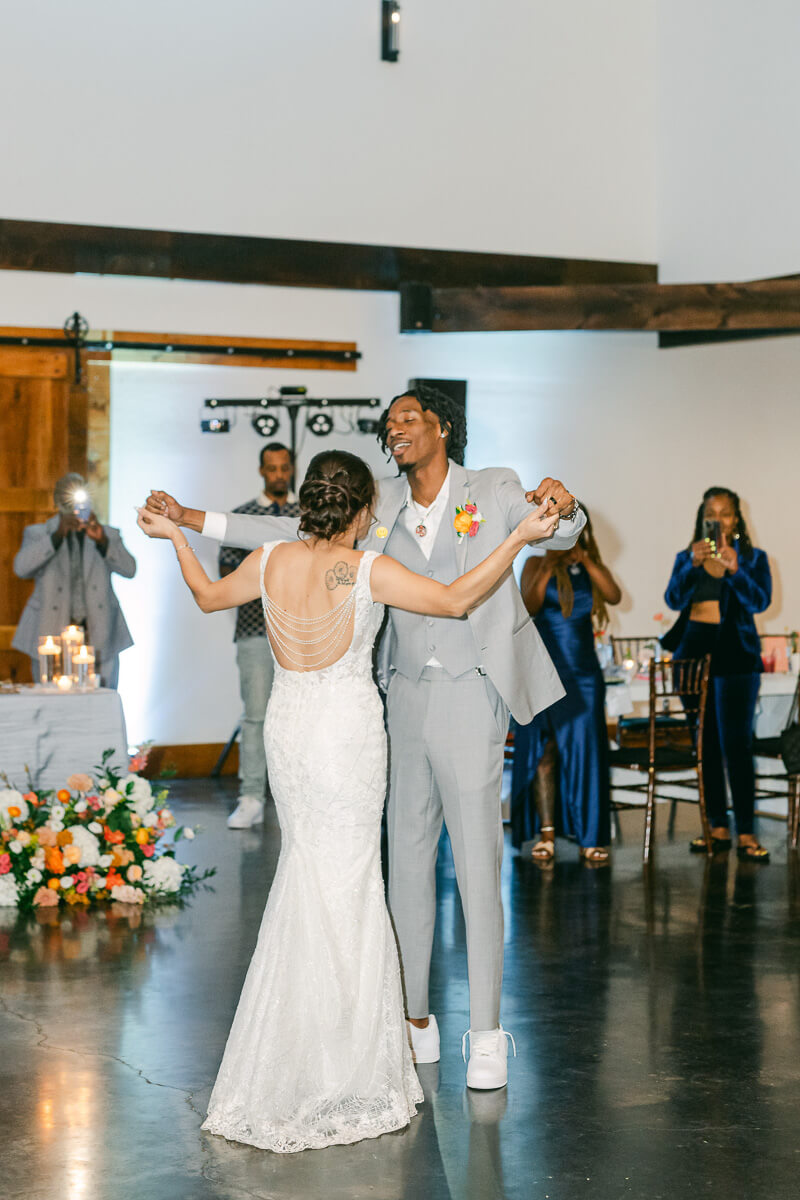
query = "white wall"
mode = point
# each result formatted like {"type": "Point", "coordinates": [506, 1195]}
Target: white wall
{"type": "Point", "coordinates": [637, 432]}
{"type": "Point", "coordinates": [727, 134]}
{"type": "Point", "coordinates": [520, 126]}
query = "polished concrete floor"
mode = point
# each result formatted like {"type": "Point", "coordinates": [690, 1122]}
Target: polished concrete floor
{"type": "Point", "coordinates": [657, 1019]}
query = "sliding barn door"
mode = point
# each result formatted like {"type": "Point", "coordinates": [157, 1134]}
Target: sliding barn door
{"type": "Point", "coordinates": [43, 434]}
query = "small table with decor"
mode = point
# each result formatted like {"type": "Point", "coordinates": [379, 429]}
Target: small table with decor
{"type": "Point", "coordinates": [53, 734]}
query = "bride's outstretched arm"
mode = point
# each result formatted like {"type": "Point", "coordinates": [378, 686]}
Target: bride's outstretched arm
{"type": "Point", "coordinates": [241, 585]}
{"type": "Point", "coordinates": [394, 584]}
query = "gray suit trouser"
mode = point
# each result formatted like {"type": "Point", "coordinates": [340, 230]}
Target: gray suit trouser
{"type": "Point", "coordinates": [446, 738]}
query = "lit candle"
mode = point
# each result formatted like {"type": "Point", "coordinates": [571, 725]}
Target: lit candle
{"type": "Point", "coordinates": [49, 650]}
{"type": "Point", "coordinates": [64, 683]}
{"type": "Point", "coordinates": [82, 661]}
{"type": "Point", "coordinates": [71, 638]}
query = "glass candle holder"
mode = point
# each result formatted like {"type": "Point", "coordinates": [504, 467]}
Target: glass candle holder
{"type": "Point", "coordinates": [49, 657]}
{"type": "Point", "coordinates": [71, 638]}
{"type": "Point", "coordinates": [83, 666]}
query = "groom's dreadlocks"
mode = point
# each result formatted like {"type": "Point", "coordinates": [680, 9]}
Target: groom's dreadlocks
{"type": "Point", "coordinates": [451, 416]}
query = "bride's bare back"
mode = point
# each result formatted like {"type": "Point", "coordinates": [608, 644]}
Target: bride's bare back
{"type": "Point", "coordinates": [309, 602]}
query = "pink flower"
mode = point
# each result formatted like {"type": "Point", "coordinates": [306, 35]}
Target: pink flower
{"type": "Point", "coordinates": [471, 509]}
{"type": "Point", "coordinates": [137, 763]}
{"type": "Point", "coordinates": [82, 885]}
{"type": "Point", "coordinates": [79, 782]}
{"type": "Point", "coordinates": [45, 898]}
{"type": "Point", "coordinates": [5, 864]}
{"type": "Point", "coordinates": [474, 527]}
{"type": "Point", "coordinates": [147, 850]}
{"type": "Point", "coordinates": [94, 802]}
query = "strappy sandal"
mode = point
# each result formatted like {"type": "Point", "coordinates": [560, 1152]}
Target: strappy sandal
{"type": "Point", "coordinates": [750, 853]}
{"type": "Point", "coordinates": [544, 851]}
{"type": "Point", "coordinates": [718, 844]}
{"type": "Point", "coordinates": [595, 856]}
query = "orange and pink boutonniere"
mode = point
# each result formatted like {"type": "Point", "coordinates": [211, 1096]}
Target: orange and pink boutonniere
{"type": "Point", "coordinates": [468, 520]}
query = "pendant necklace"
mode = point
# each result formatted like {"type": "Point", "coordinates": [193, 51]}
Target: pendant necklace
{"type": "Point", "coordinates": [423, 514]}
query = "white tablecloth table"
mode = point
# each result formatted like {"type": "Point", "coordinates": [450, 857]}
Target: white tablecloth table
{"type": "Point", "coordinates": [56, 734]}
{"type": "Point", "coordinates": [772, 710]}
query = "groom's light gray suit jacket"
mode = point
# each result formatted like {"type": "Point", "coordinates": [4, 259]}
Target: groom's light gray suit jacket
{"type": "Point", "coordinates": [498, 634]}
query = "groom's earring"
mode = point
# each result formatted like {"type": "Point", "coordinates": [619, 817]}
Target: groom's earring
{"type": "Point", "coordinates": [443, 433]}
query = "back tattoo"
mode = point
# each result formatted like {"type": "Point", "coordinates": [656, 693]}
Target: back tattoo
{"type": "Point", "coordinates": [340, 574]}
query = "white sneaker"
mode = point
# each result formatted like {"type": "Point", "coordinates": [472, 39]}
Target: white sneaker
{"type": "Point", "coordinates": [488, 1057]}
{"type": "Point", "coordinates": [424, 1042]}
{"type": "Point", "coordinates": [249, 811]}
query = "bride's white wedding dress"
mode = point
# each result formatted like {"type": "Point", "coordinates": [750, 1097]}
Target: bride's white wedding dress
{"type": "Point", "coordinates": [318, 1053]}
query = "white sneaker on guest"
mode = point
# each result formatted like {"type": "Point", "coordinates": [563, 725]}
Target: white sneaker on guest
{"type": "Point", "coordinates": [488, 1057]}
{"type": "Point", "coordinates": [424, 1042]}
{"type": "Point", "coordinates": [249, 811]}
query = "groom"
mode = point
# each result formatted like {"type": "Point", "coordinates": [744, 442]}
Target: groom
{"type": "Point", "coordinates": [450, 685]}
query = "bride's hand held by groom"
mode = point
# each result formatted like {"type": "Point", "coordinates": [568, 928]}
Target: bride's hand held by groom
{"type": "Point", "coordinates": [552, 492]}
{"type": "Point", "coordinates": [162, 504]}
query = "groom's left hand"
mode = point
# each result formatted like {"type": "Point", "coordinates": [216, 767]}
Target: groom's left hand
{"type": "Point", "coordinates": [554, 491]}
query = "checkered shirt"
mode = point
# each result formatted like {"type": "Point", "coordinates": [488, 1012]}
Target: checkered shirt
{"type": "Point", "coordinates": [250, 616]}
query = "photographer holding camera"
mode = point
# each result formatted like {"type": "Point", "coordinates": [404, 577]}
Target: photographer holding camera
{"type": "Point", "coordinates": [72, 557]}
{"type": "Point", "coordinates": [718, 584]}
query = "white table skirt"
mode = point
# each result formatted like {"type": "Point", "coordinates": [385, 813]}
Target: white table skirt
{"type": "Point", "coordinates": [56, 734]}
{"type": "Point", "coordinates": [772, 710]}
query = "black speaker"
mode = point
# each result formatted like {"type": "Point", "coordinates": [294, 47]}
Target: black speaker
{"type": "Point", "coordinates": [456, 389]}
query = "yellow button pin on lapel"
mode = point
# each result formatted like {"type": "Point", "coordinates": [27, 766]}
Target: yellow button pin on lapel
{"type": "Point", "coordinates": [381, 531]}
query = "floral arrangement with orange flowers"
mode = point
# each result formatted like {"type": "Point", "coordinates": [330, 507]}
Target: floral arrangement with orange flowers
{"type": "Point", "coordinates": [101, 837]}
{"type": "Point", "coordinates": [467, 521]}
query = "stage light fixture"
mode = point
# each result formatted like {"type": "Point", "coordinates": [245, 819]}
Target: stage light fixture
{"type": "Point", "coordinates": [367, 425]}
{"type": "Point", "coordinates": [390, 30]}
{"type": "Point", "coordinates": [265, 424]}
{"type": "Point", "coordinates": [216, 425]}
{"type": "Point", "coordinates": [321, 424]}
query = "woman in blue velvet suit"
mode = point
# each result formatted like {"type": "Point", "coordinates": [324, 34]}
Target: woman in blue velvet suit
{"type": "Point", "coordinates": [561, 774]}
{"type": "Point", "coordinates": [718, 586]}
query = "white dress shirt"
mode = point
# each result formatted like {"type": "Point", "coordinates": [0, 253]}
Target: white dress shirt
{"type": "Point", "coordinates": [413, 514]}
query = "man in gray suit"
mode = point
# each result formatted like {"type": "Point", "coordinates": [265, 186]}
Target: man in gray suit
{"type": "Point", "coordinates": [72, 557]}
{"type": "Point", "coordinates": [450, 685]}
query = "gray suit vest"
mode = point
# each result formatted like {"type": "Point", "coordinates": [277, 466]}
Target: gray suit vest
{"type": "Point", "coordinates": [415, 638]}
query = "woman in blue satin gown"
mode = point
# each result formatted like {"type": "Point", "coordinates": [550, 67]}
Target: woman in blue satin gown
{"type": "Point", "coordinates": [560, 779]}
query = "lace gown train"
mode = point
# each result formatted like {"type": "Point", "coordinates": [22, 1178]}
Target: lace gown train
{"type": "Point", "coordinates": [317, 1054]}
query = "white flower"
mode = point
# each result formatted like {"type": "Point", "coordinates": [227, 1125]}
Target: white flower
{"type": "Point", "coordinates": [98, 881]}
{"type": "Point", "coordinates": [87, 844]}
{"type": "Point", "coordinates": [138, 792]}
{"type": "Point", "coordinates": [164, 874]}
{"type": "Point", "coordinates": [150, 819]}
{"type": "Point", "coordinates": [37, 859]}
{"type": "Point", "coordinates": [10, 798]}
{"type": "Point", "coordinates": [95, 827]}
{"type": "Point", "coordinates": [9, 896]}
{"type": "Point", "coordinates": [188, 832]}
{"type": "Point", "coordinates": [15, 847]}
{"type": "Point", "coordinates": [66, 881]}
{"type": "Point", "coordinates": [33, 876]}
{"type": "Point", "coordinates": [127, 894]}
{"type": "Point", "coordinates": [111, 797]}
{"type": "Point", "coordinates": [57, 812]}
{"type": "Point", "coordinates": [56, 826]}
{"type": "Point", "coordinates": [81, 806]}
{"type": "Point", "coordinates": [105, 860]}
{"type": "Point", "coordinates": [105, 782]}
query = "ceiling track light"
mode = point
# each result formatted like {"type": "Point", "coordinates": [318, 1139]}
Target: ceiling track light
{"type": "Point", "coordinates": [265, 424]}
{"type": "Point", "coordinates": [320, 424]}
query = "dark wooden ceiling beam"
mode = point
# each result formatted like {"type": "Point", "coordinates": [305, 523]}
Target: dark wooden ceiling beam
{"type": "Point", "coordinates": [766, 305]}
{"type": "Point", "coordinates": [105, 250]}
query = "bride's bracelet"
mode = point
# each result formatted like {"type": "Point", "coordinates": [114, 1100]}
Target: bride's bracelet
{"type": "Point", "coordinates": [185, 546]}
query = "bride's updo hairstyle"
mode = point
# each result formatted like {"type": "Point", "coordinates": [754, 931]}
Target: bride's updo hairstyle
{"type": "Point", "coordinates": [337, 486]}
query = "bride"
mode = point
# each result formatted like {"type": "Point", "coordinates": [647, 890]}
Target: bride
{"type": "Point", "coordinates": [317, 1054]}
